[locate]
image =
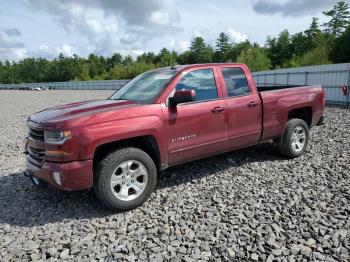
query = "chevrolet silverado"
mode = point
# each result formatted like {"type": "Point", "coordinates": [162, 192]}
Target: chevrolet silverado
{"type": "Point", "coordinates": [162, 118]}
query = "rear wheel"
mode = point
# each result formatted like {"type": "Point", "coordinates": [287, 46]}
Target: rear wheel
{"type": "Point", "coordinates": [295, 138]}
{"type": "Point", "coordinates": [125, 178]}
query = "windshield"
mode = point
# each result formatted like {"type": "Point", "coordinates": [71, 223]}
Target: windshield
{"type": "Point", "coordinates": [146, 87]}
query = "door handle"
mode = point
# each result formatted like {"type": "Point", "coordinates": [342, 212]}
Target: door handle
{"type": "Point", "coordinates": [217, 109]}
{"type": "Point", "coordinates": [252, 104]}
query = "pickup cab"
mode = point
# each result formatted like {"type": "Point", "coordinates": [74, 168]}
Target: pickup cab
{"type": "Point", "coordinates": [163, 118]}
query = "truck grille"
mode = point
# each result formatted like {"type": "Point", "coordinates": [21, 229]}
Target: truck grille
{"type": "Point", "coordinates": [36, 134]}
{"type": "Point", "coordinates": [37, 154]}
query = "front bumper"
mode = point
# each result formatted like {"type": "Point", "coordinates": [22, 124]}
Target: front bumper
{"type": "Point", "coordinates": [75, 175]}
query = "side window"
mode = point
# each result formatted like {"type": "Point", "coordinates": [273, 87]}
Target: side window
{"type": "Point", "coordinates": [202, 81]}
{"type": "Point", "coordinates": [236, 81]}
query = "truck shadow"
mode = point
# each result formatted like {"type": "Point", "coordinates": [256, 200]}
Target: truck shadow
{"type": "Point", "coordinates": [196, 170]}
{"type": "Point", "coordinates": [22, 204]}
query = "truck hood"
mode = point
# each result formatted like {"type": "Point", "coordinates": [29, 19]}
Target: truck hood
{"type": "Point", "coordinates": [60, 115]}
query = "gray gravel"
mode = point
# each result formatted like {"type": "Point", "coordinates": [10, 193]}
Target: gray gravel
{"type": "Point", "coordinates": [247, 205]}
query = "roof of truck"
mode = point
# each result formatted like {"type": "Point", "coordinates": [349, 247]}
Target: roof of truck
{"type": "Point", "coordinates": [183, 67]}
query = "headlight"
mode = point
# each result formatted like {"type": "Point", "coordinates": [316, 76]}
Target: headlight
{"type": "Point", "coordinates": [57, 137]}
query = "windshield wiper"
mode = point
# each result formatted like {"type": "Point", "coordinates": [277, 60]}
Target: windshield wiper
{"type": "Point", "coordinates": [118, 99]}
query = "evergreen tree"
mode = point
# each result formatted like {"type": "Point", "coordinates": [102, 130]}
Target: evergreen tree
{"type": "Point", "coordinates": [339, 19]}
{"type": "Point", "coordinates": [184, 58]}
{"type": "Point", "coordinates": [166, 58]}
{"type": "Point", "coordinates": [222, 48]}
{"type": "Point", "coordinates": [97, 65]}
{"type": "Point", "coordinates": [237, 49]}
{"type": "Point", "coordinates": [300, 44]}
{"type": "Point", "coordinates": [128, 60]}
{"type": "Point", "coordinates": [279, 49]}
{"type": "Point", "coordinates": [148, 57]}
{"type": "Point", "coordinates": [200, 52]}
{"type": "Point", "coordinates": [313, 32]}
{"type": "Point", "coordinates": [340, 52]}
{"type": "Point", "coordinates": [114, 60]}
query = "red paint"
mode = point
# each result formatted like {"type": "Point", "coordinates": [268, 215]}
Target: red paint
{"type": "Point", "coordinates": [205, 128]}
{"type": "Point", "coordinates": [75, 175]}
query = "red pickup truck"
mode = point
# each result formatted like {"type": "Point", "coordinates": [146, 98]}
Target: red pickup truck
{"type": "Point", "coordinates": [163, 118]}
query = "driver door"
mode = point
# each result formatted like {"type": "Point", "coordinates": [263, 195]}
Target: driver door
{"type": "Point", "coordinates": [197, 129]}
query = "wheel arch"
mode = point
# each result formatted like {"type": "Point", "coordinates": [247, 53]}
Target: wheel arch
{"type": "Point", "coordinates": [304, 113]}
{"type": "Point", "coordinates": [147, 143]}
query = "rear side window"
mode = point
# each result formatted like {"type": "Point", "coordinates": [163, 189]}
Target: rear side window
{"type": "Point", "coordinates": [236, 81]}
{"type": "Point", "coordinates": [202, 81]}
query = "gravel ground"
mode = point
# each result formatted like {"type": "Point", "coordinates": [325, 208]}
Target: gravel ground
{"type": "Point", "coordinates": [246, 205]}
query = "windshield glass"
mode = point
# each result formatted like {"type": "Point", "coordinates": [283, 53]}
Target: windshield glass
{"type": "Point", "coordinates": [146, 87]}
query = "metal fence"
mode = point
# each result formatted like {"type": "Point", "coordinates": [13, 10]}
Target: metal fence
{"type": "Point", "coordinates": [335, 80]}
{"type": "Point", "coordinates": [72, 85]}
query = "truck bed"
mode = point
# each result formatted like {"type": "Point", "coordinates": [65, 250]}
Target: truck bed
{"type": "Point", "coordinates": [277, 101]}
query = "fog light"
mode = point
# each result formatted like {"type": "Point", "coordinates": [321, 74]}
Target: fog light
{"type": "Point", "coordinates": [57, 177]}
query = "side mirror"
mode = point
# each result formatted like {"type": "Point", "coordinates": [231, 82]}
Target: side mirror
{"type": "Point", "coordinates": [182, 96]}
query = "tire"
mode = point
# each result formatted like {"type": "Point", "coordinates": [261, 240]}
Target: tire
{"type": "Point", "coordinates": [295, 138]}
{"type": "Point", "coordinates": [117, 180]}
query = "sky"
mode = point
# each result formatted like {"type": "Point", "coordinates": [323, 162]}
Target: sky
{"type": "Point", "coordinates": [45, 28]}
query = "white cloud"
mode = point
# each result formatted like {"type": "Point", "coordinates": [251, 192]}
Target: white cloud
{"type": "Point", "coordinates": [10, 47]}
{"type": "Point", "coordinates": [176, 45]}
{"type": "Point", "coordinates": [52, 52]}
{"type": "Point", "coordinates": [237, 37]}
{"type": "Point", "coordinates": [137, 52]}
{"type": "Point", "coordinates": [184, 45]}
{"type": "Point", "coordinates": [161, 18]}
{"type": "Point", "coordinates": [112, 26]}
{"type": "Point", "coordinates": [46, 27]}
{"type": "Point", "coordinates": [43, 51]}
{"type": "Point", "coordinates": [19, 53]}
{"type": "Point", "coordinates": [171, 44]}
{"type": "Point", "coordinates": [44, 48]}
{"type": "Point", "coordinates": [66, 50]}
{"type": "Point", "coordinates": [94, 25]}
{"type": "Point", "coordinates": [197, 33]}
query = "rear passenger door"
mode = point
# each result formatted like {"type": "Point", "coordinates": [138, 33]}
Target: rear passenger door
{"type": "Point", "coordinates": [243, 107]}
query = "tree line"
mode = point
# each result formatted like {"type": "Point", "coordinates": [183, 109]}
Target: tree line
{"type": "Point", "coordinates": [318, 44]}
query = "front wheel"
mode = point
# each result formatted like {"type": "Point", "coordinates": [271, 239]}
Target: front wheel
{"type": "Point", "coordinates": [295, 138]}
{"type": "Point", "coordinates": [125, 178]}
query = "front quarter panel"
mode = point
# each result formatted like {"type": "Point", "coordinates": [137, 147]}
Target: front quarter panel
{"type": "Point", "coordinates": [92, 136]}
